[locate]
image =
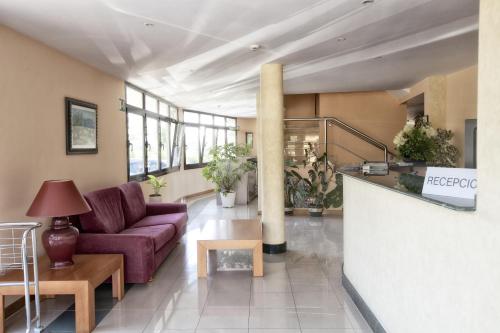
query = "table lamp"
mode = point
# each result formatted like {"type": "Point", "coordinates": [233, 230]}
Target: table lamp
{"type": "Point", "coordinates": [59, 199]}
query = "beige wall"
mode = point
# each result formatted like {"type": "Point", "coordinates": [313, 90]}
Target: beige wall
{"type": "Point", "coordinates": [34, 81]}
{"type": "Point", "coordinates": [378, 114]}
{"type": "Point", "coordinates": [248, 125]}
{"type": "Point", "coordinates": [461, 104]}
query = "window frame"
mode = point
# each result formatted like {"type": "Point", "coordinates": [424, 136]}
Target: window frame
{"type": "Point", "coordinates": [201, 164]}
{"type": "Point", "coordinates": [145, 114]}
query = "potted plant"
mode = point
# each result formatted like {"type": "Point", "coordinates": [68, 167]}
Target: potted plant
{"type": "Point", "coordinates": [291, 181]}
{"type": "Point", "coordinates": [315, 189]}
{"type": "Point", "coordinates": [157, 184]}
{"type": "Point", "coordinates": [423, 145]}
{"type": "Point", "coordinates": [225, 169]}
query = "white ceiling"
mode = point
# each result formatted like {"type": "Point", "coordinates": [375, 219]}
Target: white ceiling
{"type": "Point", "coordinates": [197, 53]}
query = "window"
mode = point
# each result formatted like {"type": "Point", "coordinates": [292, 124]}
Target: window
{"type": "Point", "coordinates": [153, 135]}
{"type": "Point", "coordinates": [202, 132]}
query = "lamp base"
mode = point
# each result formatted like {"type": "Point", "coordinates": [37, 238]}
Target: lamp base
{"type": "Point", "coordinates": [59, 242]}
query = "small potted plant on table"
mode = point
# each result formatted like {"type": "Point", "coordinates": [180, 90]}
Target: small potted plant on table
{"type": "Point", "coordinates": [157, 184]}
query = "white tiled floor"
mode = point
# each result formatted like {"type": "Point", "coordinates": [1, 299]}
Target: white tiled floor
{"type": "Point", "coordinates": [300, 292]}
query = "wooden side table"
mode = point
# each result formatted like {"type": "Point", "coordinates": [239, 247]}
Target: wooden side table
{"type": "Point", "coordinates": [81, 279]}
{"type": "Point", "coordinates": [231, 234]}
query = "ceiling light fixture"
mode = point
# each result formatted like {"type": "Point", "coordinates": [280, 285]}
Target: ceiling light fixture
{"type": "Point", "coordinates": [149, 24]}
{"type": "Point", "coordinates": [367, 2]}
{"type": "Point", "coordinates": [255, 47]}
{"type": "Point", "coordinates": [341, 39]}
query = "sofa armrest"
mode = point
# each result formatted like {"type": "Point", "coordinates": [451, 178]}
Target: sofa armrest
{"type": "Point", "coordinates": [164, 208]}
{"type": "Point", "coordinates": [138, 251]}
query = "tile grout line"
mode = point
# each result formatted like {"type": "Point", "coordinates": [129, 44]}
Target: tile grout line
{"type": "Point", "coordinates": [293, 295]}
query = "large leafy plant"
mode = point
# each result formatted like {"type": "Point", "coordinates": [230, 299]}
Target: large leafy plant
{"type": "Point", "coordinates": [419, 141]}
{"type": "Point", "coordinates": [227, 165]}
{"type": "Point", "coordinates": [415, 142]}
{"type": "Point", "coordinates": [445, 154]}
{"type": "Point", "coordinates": [291, 184]}
{"type": "Point", "coordinates": [315, 189]}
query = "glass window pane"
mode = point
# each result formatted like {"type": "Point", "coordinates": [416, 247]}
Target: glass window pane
{"type": "Point", "coordinates": [206, 119]}
{"type": "Point", "coordinates": [153, 147]}
{"type": "Point", "coordinates": [134, 97]}
{"type": "Point", "coordinates": [191, 117]}
{"type": "Point", "coordinates": [164, 109]}
{"type": "Point", "coordinates": [177, 142]}
{"type": "Point", "coordinates": [220, 137]}
{"type": "Point", "coordinates": [151, 104]}
{"type": "Point", "coordinates": [206, 142]}
{"type": "Point", "coordinates": [219, 121]}
{"type": "Point", "coordinates": [231, 136]}
{"type": "Point", "coordinates": [164, 145]}
{"type": "Point", "coordinates": [135, 144]}
{"type": "Point", "coordinates": [192, 150]}
{"type": "Point", "coordinates": [230, 122]}
{"type": "Point", "coordinates": [174, 114]}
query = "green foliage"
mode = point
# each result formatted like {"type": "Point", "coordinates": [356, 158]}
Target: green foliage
{"type": "Point", "coordinates": [227, 166]}
{"type": "Point", "coordinates": [412, 183]}
{"type": "Point", "coordinates": [156, 183]}
{"type": "Point", "coordinates": [421, 142]}
{"type": "Point", "coordinates": [291, 182]}
{"type": "Point", "coordinates": [445, 154]}
{"type": "Point", "coordinates": [314, 189]}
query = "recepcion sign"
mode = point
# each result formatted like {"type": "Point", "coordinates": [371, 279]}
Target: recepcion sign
{"type": "Point", "coordinates": [450, 182]}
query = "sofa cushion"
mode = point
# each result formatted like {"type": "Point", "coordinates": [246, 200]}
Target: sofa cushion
{"type": "Point", "coordinates": [160, 234]}
{"type": "Point", "coordinates": [107, 213]}
{"type": "Point", "coordinates": [134, 206]}
{"type": "Point", "coordinates": [179, 220]}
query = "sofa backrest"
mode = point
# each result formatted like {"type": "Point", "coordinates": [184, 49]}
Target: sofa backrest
{"type": "Point", "coordinates": [134, 206]}
{"type": "Point", "coordinates": [107, 212]}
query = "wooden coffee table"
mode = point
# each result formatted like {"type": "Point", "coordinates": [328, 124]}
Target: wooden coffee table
{"type": "Point", "coordinates": [81, 279]}
{"type": "Point", "coordinates": [230, 234]}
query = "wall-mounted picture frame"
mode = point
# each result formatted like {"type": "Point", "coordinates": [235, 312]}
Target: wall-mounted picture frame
{"type": "Point", "coordinates": [249, 139]}
{"type": "Point", "coordinates": [81, 127]}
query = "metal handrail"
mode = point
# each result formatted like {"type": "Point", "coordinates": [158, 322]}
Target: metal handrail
{"type": "Point", "coordinates": [346, 127]}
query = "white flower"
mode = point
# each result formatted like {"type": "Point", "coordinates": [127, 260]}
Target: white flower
{"type": "Point", "coordinates": [429, 131]}
{"type": "Point", "coordinates": [408, 127]}
{"type": "Point", "coordinates": [399, 139]}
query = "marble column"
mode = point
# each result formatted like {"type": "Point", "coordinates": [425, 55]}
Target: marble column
{"type": "Point", "coordinates": [260, 174]}
{"type": "Point", "coordinates": [271, 114]}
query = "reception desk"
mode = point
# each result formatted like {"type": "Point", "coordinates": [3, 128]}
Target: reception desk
{"type": "Point", "coordinates": [407, 257]}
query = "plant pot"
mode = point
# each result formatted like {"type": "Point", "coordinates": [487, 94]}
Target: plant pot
{"type": "Point", "coordinates": [228, 199]}
{"type": "Point", "coordinates": [155, 198]}
{"type": "Point", "coordinates": [288, 210]}
{"type": "Point", "coordinates": [315, 212]}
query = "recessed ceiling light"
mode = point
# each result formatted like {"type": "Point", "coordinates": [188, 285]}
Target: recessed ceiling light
{"type": "Point", "coordinates": [367, 2]}
{"type": "Point", "coordinates": [255, 47]}
{"type": "Point", "coordinates": [341, 39]}
{"type": "Point", "coordinates": [149, 24]}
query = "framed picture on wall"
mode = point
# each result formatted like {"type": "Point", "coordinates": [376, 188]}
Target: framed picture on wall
{"type": "Point", "coordinates": [249, 139]}
{"type": "Point", "coordinates": [81, 127]}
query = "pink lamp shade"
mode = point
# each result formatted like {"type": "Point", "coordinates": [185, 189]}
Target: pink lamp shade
{"type": "Point", "coordinates": [58, 198]}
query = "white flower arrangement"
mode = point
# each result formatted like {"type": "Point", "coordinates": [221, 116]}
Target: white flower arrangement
{"type": "Point", "coordinates": [401, 138]}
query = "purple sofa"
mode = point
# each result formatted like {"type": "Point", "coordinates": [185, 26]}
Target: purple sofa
{"type": "Point", "coordinates": [122, 222]}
